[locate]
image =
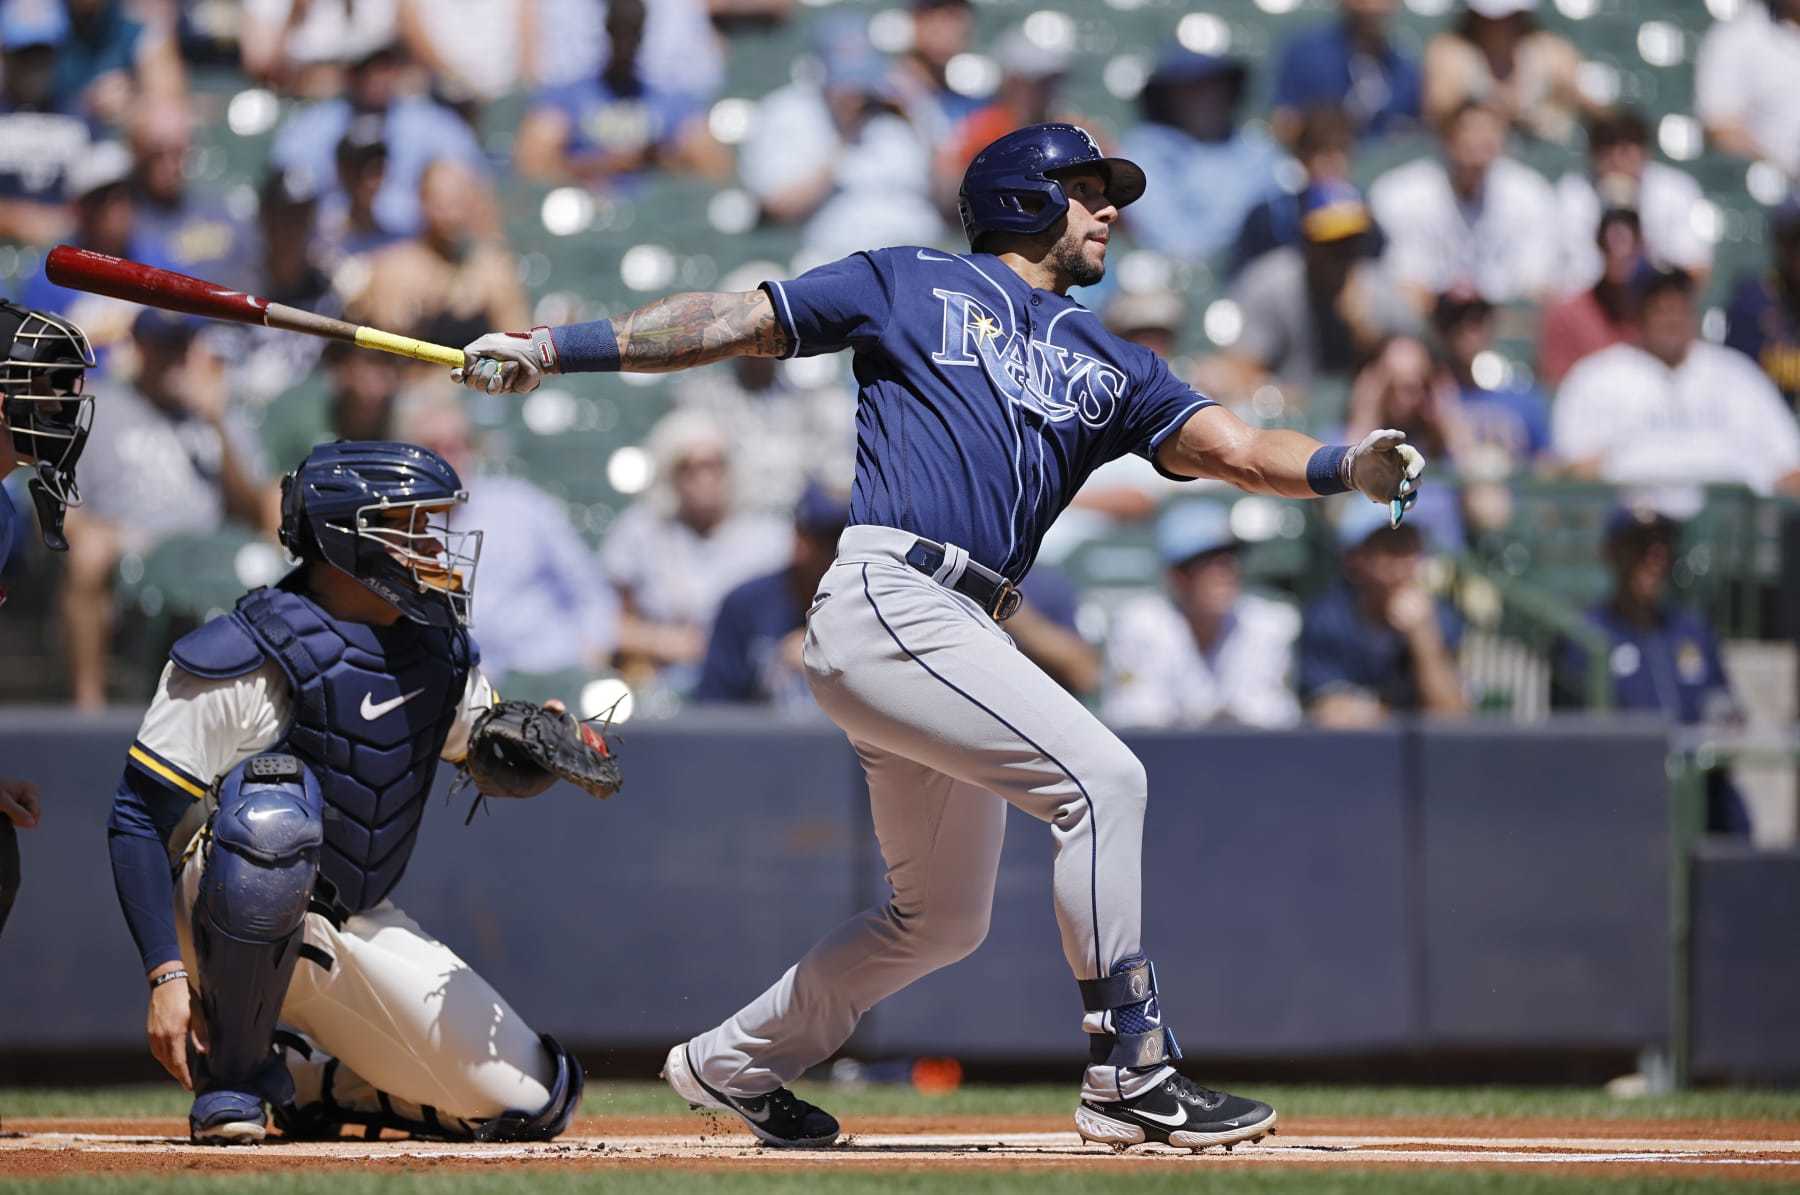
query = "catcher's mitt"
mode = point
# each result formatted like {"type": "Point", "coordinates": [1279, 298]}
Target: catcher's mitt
{"type": "Point", "coordinates": [518, 749]}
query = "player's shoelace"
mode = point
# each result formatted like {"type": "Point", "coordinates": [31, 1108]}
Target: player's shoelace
{"type": "Point", "coordinates": [1190, 1092]}
{"type": "Point", "coordinates": [785, 1104]}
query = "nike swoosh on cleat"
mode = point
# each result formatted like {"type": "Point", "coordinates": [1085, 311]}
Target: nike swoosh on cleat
{"type": "Point", "coordinates": [371, 710]}
{"type": "Point", "coordinates": [759, 1117]}
{"type": "Point", "coordinates": [1174, 1122]}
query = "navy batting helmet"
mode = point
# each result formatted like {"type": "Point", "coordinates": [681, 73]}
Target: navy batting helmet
{"type": "Point", "coordinates": [357, 505]}
{"type": "Point", "coordinates": [43, 362]}
{"type": "Point", "coordinates": [1012, 186]}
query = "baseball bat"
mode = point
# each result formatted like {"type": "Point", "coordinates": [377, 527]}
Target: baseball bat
{"type": "Point", "coordinates": [135, 282]}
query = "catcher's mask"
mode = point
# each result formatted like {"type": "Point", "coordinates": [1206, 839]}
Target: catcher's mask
{"type": "Point", "coordinates": [41, 380]}
{"type": "Point", "coordinates": [380, 511]}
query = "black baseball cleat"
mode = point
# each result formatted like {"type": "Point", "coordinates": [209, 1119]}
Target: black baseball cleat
{"type": "Point", "coordinates": [1176, 1112]}
{"type": "Point", "coordinates": [779, 1118]}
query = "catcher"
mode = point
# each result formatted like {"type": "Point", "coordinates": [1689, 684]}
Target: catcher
{"type": "Point", "coordinates": [270, 804]}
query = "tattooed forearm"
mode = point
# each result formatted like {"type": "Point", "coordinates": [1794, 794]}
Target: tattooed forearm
{"type": "Point", "coordinates": [694, 329]}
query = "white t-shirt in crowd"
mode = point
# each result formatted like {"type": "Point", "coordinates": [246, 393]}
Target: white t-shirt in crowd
{"type": "Point", "coordinates": [1715, 418]}
{"type": "Point", "coordinates": [1504, 244]}
{"type": "Point", "coordinates": [1156, 675]}
{"type": "Point", "coordinates": [1667, 202]}
{"type": "Point", "coordinates": [330, 30]}
{"type": "Point", "coordinates": [675, 575]}
{"type": "Point", "coordinates": [1748, 72]}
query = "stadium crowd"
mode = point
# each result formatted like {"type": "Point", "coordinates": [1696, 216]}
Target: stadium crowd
{"type": "Point", "coordinates": [1521, 326]}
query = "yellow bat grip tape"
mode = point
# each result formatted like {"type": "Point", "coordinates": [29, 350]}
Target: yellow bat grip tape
{"type": "Point", "coordinates": [406, 346]}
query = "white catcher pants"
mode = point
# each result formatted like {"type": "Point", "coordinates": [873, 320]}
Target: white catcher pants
{"type": "Point", "coordinates": [401, 1013]}
{"type": "Point", "coordinates": [952, 723]}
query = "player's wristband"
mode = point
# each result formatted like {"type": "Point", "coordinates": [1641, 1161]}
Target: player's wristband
{"type": "Point", "coordinates": [592, 347]}
{"type": "Point", "coordinates": [167, 977]}
{"type": "Point", "coordinates": [1325, 470]}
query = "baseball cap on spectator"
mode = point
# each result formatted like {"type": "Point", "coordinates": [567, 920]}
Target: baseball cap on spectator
{"type": "Point", "coordinates": [1189, 530]}
{"type": "Point", "coordinates": [1179, 64]}
{"type": "Point", "coordinates": [1497, 10]}
{"type": "Point", "coordinates": [1022, 58]}
{"type": "Point", "coordinates": [104, 165]}
{"type": "Point", "coordinates": [1141, 311]}
{"type": "Point", "coordinates": [26, 23]}
{"type": "Point", "coordinates": [820, 511]}
{"type": "Point", "coordinates": [1333, 210]}
{"type": "Point", "coordinates": [1641, 524]}
{"type": "Point", "coordinates": [153, 325]}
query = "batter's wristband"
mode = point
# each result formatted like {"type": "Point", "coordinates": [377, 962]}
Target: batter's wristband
{"type": "Point", "coordinates": [167, 977]}
{"type": "Point", "coordinates": [1325, 470]}
{"type": "Point", "coordinates": [592, 347]}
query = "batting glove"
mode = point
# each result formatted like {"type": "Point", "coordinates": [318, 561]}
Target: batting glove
{"type": "Point", "coordinates": [1385, 468]}
{"type": "Point", "coordinates": [507, 362]}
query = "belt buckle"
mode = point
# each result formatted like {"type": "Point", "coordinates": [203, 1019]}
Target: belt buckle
{"type": "Point", "coordinates": [1006, 602]}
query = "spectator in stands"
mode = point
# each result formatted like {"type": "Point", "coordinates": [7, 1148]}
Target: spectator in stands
{"type": "Point", "coordinates": [1660, 658]}
{"type": "Point", "coordinates": [190, 228]}
{"type": "Point", "coordinates": [106, 221]}
{"type": "Point", "coordinates": [1379, 643]}
{"type": "Point", "coordinates": [448, 279]}
{"type": "Point", "coordinates": [1313, 309]}
{"type": "Point", "coordinates": [356, 402]}
{"type": "Point", "coordinates": [1763, 321]}
{"type": "Point", "coordinates": [541, 603]}
{"type": "Point", "coordinates": [1506, 419]}
{"type": "Point", "coordinates": [676, 552]}
{"type": "Point", "coordinates": [418, 132]}
{"type": "Point", "coordinates": [1045, 628]}
{"type": "Point", "coordinates": [266, 361]}
{"type": "Point", "coordinates": [838, 155]}
{"type": "Point", "coordinates": [1210, 169]}
{"type": "Point", "coordinates": [1473, 217]}
{"type": "Point", "coordinates": [302, 47]}
{"type": "Point", "coordinates": [1603, 315]}
{"type": "Point", "coordinates": [682, 49]}
{"type": "Point", "coordinates": [112, 62]}
{"type": "Point", "coordinates": [941, 29]}
{"type": "Point", "coordinates": [1404, 386]}
{"type": "Point", "coordinates": [1207, 652]}
{"type": "Point", "coordinates": [753, 653]}
{"type": "Point", "coordinates": [1322, 146]}
{"type": "Point", "coordinates": [475, 50]}
{"type": "Point", "coordinates": [788, 420]}
{"type": "Point", "coordinates": [1676, 412]}
{"type": "Point", "coordinates": [1350, 65]}
{"type": "Point", "coordinates": [170, 457]}
{"type": "Point", "coordinates": [614, 124]}
{"type": "Point", "coordinates": [1031, 79]}
{"type": "Point", "coordinates": [39, 142]}
{"type": "Point", "coordinates": [348, 225]}
{"type": "Point", "coordinates": [1744, 83]}
{"type": "Point", "coordinates": [1621, 174]}
{"type": "Point", "coordinates": [1497, 55]}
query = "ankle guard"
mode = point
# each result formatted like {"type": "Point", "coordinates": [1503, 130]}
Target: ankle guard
{"type": "Point", "coordinates": [1134, 1036]}
{"type": "Point", "coordinates": [550, 1120]}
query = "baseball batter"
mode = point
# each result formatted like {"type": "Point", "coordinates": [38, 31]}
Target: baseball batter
{"type": "Point", "coordinates": [987, 397]}
{"type": "Point", "coordinates": [44, 421]}
{"type": "Point", "coordinates": [269, 806]}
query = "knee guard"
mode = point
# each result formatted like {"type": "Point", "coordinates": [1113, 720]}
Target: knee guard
{"type": "Point", "coordinates": [550, 1120]}
{"type": "Point", "coordinates": [261, 861]}
{"type": "Point", "coordinates": [1132, 1034]}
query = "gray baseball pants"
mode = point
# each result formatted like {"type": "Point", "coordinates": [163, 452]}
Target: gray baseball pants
{"type": "Point", "coordinates": [952, 723]}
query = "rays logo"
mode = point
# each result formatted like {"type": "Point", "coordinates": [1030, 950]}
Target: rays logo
{"type": "Point", "coordinates": [1055, 383]}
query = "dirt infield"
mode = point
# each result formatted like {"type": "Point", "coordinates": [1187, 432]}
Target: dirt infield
{"type": "Point", "coordinates": [1752, 1150]}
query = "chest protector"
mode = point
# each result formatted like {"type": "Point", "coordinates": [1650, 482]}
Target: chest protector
{"type": "Point", "coordinates": [372, 707]}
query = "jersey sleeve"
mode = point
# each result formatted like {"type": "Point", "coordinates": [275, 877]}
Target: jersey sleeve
{"type": "Point", "coordinates": [196, 729]}
{"type": "Point", "coordinates": [1158, 405]}
{"type": "Point", "coordinates": [478, 695]}
{"type": "Point", "coordinates": [842, 304]}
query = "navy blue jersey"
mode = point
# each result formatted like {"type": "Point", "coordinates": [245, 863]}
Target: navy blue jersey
{"type": "Point", "coordinates": [985, 402]}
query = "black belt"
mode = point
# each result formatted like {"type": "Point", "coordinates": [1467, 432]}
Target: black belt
{"type": "Point", "coordinates": [994, 593]}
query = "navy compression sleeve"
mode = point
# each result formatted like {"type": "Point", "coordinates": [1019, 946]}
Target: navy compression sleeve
{"type": "Point", "coordinates": [144, 814]}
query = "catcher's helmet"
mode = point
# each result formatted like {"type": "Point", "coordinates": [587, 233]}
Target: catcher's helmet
{"type": "Point", "coordinates": [41, 378]}
{"type": "Point", "coordinates": [356, 506]}
{"type": "Point", "coordinates": [1012, 186]}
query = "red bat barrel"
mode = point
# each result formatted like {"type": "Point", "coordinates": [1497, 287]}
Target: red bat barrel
{"type": "Point", "coordinates": [135, 282]}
